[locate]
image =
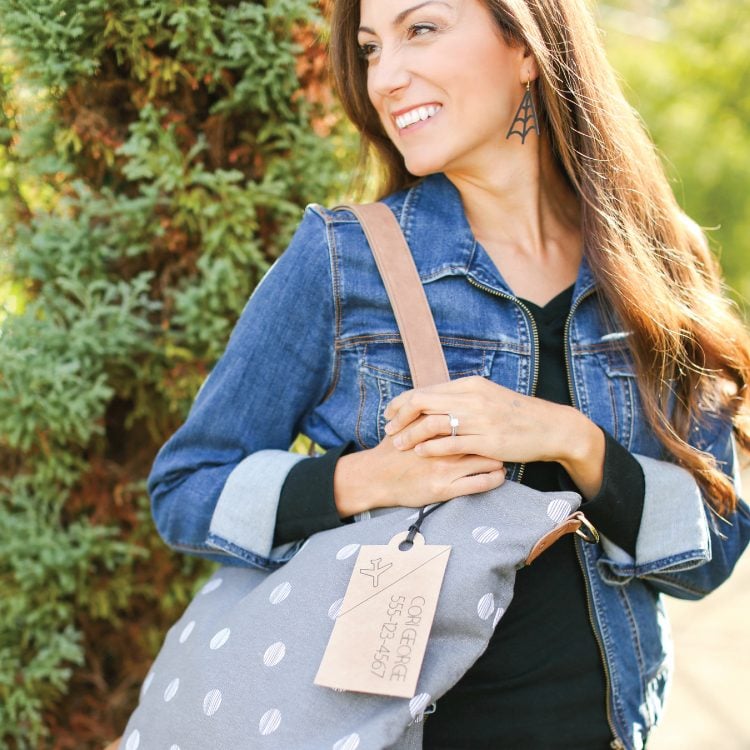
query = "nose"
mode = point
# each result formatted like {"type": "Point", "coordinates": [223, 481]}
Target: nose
{"type": "Point", "coordinates": [388, 74]}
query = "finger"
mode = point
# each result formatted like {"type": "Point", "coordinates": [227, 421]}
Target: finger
{"type": "Point", "coordinates": [479, 465]}
{"type": "Point", "coordinates": [426, 427]}
{"type": "Point", "coordinates": [418, 402]}
{"type": "Point", "coordinates": [478, 483]}
{"type": "Point", "coordinates": [451, 446]}
{"type": "Point", "coordinates": [451, 388]}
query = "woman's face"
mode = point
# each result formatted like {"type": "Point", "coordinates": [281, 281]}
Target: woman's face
{"type": "Point", "coordinates": [443, 81]}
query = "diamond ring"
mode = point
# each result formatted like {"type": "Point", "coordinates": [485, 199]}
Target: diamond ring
{"type": "Point", "coordinates": [453, 424]}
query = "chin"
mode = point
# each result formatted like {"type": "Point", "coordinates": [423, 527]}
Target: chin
{"type": "Point", "coordinates": [423, 167]}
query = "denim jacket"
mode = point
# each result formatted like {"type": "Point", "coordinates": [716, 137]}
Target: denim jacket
{"type": "Point", "coordinates": [317, 351]}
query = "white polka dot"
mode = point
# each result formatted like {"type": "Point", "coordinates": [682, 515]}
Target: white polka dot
{"type": "Point", "coordinates": [133, 740]}
{"type": "Point", "coordinates": [351, 742]}
{"type": "Point", "coordinates": [335, 608]}
{"type": "Point", "coordinates": [486, 606]}
{"type": "Point", "coordinates": [270, 721]}
{"type": "Point", "coordinates": [280, 593]}
{"type": "Point", "coordinates": [347, 551]}
{"type": "Point", "coordinates": [274, 654]}
{"type": "Point", "coordinates": [186, 631]}
{"type": "Point", "coordinates": [500, 612]}
{"type": "Point", "coordinates": [211, 702]}
{"type": "Point", "coordinates": [418, 704]}
{"type": "Point", "coordinates": [211, 586]}
{"type": "Point", "coordinates": [485, 534]}
{"type": "Point", "coordinates": [171, 690]}
{"type": "Point", "coordinates": [147, 683]}
{"type": "Point", "coordinates": [219, 639]}
{"type": "Point", "coordinates": [174, 747]}
{"type": "Point", "coordinates": [559, 510]}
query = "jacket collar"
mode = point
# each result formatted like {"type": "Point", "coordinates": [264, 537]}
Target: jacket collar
{"type": "Point", "coordinates": [434, 223]}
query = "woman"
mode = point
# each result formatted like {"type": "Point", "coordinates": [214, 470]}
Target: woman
{"type": "Point", "coordinates": [587, 338]}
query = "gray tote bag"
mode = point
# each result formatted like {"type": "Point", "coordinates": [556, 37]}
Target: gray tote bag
{"type": "Point", "coordinates": [238, 669]}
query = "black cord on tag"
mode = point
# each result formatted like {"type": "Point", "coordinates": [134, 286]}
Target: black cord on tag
{"type": "Point", "coordinates": [407, 543]}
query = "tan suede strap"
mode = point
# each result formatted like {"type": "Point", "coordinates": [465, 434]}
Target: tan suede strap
{"type": "Point", "coordinates": [408, 300]}
{"type": "Point", "coordinates": [576, 523]}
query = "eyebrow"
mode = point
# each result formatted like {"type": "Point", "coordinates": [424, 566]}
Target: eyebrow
{"type": "Point", "coordinates": [404, 13]}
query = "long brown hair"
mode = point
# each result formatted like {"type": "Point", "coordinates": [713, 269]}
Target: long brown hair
{"type": "Point", "coordinates": [652, 263]}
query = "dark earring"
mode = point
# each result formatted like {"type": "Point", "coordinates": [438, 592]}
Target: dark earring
{"type": "Point", "coordinates": [525, 120]}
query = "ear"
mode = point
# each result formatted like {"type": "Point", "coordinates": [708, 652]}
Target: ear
{"type": "Point", "coordinates": [529, 69]}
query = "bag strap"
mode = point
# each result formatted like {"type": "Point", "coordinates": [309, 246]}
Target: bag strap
{"type": "Point", "coordinates": [405, 292]}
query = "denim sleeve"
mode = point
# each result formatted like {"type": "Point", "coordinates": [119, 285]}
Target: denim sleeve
{"type": "Point", "coordinates": [215, 485]}
{"type": "Point", "coordinates": [683, 547]}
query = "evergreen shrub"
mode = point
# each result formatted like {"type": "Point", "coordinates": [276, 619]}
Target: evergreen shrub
{"type": "Point", "coordinates": [155, 157]}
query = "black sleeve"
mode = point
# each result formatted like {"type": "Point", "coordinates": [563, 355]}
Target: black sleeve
{"type": "Point", "coordinates": [306, 504]}
{"type": "Point", "coordinates": [617, 508]}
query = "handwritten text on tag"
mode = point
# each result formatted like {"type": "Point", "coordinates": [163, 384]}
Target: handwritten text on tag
{"type": "Point", "coordinates": [381, 632]}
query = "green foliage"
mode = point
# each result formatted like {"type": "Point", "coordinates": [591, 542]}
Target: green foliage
{"type": "Point", "coordinates": [685, 65]}
{"type": "Point", "coordinates": [155, 156]}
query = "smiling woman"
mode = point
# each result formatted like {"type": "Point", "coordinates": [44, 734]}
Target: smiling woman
{"type": "Point", "coordinates": [537, 213]}
{"type": "Point", "coordinates": [416, 83]}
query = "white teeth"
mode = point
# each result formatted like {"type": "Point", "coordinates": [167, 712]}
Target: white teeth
{"type": "Point", "coordinates": [417, 114]}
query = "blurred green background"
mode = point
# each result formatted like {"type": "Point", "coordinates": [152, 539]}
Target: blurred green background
{"type": "Point", "coordinates": [155, 156]}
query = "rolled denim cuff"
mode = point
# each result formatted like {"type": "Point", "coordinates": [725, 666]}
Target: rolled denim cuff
{"type": "Point", "coordinates": [243, 522]}
{"type": "Point", "coordinates": [674, 534]}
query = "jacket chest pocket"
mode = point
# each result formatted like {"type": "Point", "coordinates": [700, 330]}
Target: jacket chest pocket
{"type": "Point", "coordinates": [384, 373]}
{"type": "Point", "coordinates": [624, 417]}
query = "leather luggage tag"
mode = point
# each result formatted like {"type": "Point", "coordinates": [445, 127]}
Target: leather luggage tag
{"type": "Point", "coordinates": [380, 634]}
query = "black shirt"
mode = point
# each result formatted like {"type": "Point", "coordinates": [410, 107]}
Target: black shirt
{"type": "Point", "coordinates": [540, 684]}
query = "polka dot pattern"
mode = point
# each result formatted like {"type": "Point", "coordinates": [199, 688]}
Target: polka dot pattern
{"type": "Point", "coordinates": [274, 654]}
{"type": "Point", "coordinates": [147, 683]}
{"type": "Point", "coordinates": [270, 721]}
{"type": "Point", "coordinates": [498, 614]}
{"type": "Point", "coordinates": [559, 510]}
{"type": "Point", "coordinates": [212, 585]}
{"type": "Point", "coordinates": [211, 702]}
{"type": "Point", "coordinates": [219, 639]}
{"type": "Point", "coordinates": [335, 608]}
{"type": "Point", "coordinates": [200, 674]}
{"type": "Point", "coordinates": [346, 551]}
{"type": "Point", "coordinates": [485, 534]}
{"type": "Point", "coordinates": [186, 631]}
{"type": "Point", "coordinates": [351, 742]}
{"type": "Point", "coordinates": [486, 606]}
{"type": "Point", "coordinates": [418, 704]}
{"type": "Point", "coordinates": [172, 689]}
{"type": "Point", "coordinates": [280, 593]}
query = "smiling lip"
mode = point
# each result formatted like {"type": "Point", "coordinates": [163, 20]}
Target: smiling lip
{"type": "Point", "coordinates": [415, 125]}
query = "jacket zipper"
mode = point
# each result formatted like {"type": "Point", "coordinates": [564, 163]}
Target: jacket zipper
{"type": "Point", "coordinates": [616, 743]}
{"type": "Point", "coordinates": [535, 334]}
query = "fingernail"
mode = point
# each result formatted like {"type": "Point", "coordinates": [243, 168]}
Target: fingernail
{"type": "Point", "coordinates": [398, 441]}
{"type": "Point", "coordinates": [388, 428]}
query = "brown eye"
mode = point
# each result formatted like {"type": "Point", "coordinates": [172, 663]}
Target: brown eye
{"type": "Point", "coordinates": [420, 29]}
{"type": "Point", "coordinates": [365, 51]}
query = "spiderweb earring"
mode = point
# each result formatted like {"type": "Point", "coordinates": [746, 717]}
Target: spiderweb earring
{"type": "Point", "coordinates": [525, 120]}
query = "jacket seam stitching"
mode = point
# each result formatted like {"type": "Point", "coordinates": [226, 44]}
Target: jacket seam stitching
{"type": "Point", "coordinates": [335, 290]}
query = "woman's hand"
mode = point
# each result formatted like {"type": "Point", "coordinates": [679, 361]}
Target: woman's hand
{"type": "Point", "coordinates": [497, 423]}
{"type": "Point", "coordinates": [386, 476]}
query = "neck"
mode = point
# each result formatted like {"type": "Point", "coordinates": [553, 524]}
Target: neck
{"type": "Point", "coordinates": [526, 205]}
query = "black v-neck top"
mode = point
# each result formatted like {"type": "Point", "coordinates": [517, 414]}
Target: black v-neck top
{"type": "Point", "coordinates": [540, 684]}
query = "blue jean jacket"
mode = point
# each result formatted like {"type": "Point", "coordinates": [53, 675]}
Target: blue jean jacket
{"type": "Point", "coordinates": [317, 351]}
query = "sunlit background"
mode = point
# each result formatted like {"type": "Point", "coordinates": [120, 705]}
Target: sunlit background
{"type": "Point", "coordinates": [154, 159]}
